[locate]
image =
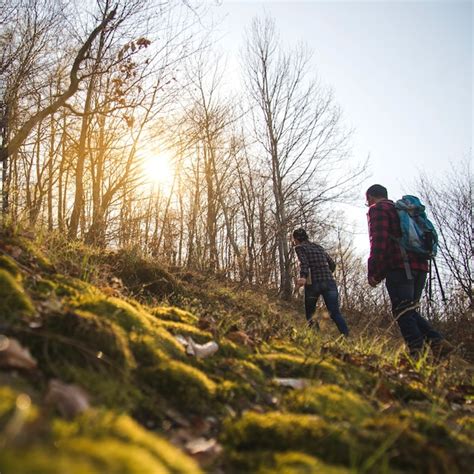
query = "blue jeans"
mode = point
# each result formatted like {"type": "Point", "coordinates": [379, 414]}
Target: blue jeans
{"type": "Point", "coordinates": [405, 296]}
{"type": "Point", "coordinates": [331, 298]}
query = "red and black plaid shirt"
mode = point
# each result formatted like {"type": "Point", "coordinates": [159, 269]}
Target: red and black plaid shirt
{"type": "Point", "coordinates": [385, 253]}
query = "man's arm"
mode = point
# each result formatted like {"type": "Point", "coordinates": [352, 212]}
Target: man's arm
{"type": "Point", "coordinates": [331, 263]}
{"type": "Point", "coordinates": [379, 237]}
{"type": "Point", "coordinates": [304, 266]}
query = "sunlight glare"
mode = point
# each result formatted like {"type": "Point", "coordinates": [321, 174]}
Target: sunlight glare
{"type": "Point", "coordinates": [158, 169]}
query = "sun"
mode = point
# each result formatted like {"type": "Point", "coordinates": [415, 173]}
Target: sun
{"type": "Point", "coordinates": [157, 168]}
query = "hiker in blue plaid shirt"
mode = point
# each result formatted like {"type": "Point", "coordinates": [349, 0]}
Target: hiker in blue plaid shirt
{"type": "Point", "coordinates": [316, 275]}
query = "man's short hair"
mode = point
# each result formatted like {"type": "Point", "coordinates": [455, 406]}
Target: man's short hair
{"type": "Point", "coordinates": [300, 234]}
{"type": "Point", "coordinates": [377, 191]}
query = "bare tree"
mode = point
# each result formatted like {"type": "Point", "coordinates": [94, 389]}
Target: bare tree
{"type": "Point", "coordinates": [450, 205]}
{"type": "Point", "coordinates": [208, 124]}
{"type": "Point", "coordinates": [19, 137]}
{"type": "Point", "coordinates": [298, 127]}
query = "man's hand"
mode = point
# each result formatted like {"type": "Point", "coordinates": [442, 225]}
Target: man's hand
{"type": "Point", "coordinates": [373, 282]}
{"type": "Point", "coordinates": [300, 282]}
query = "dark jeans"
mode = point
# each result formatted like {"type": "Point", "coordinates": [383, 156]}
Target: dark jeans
{"type": "Point", "coordinates": [331, 299]}
{"type": "Point", "coordinates": [405, 295]}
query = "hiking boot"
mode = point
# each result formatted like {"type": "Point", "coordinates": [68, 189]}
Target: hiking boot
{"type": "Point", "coordinates": [441, 349]}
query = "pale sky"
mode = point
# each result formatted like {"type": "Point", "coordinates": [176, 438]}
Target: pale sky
{"type": "Point", "coordinates": [401, 71]}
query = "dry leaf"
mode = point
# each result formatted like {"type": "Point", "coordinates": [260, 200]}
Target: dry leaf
{"type": "Point", "coordinates": [14, 356]}
{"type": "Point", "coordinates": [201, 351]}
{"type": "Point", "coordinates": [109, 291]}
{"type": "Point", "coordinates": [116, 282]}
{"type": "Point", "coordinates": [70, 400]}
{"type": "Point", "coordinates": [181, 436]}
{"type": "Point", "coordinates": [177, 418]}
{"type": "Point", "coordinates": [383, 393]}
{"type": "Point", "coordinates": [205, 451]}
{"type": "Point", "coordinates": [52, 305]}
{"type": "Point", "coordinates": [207, 323]}
{"type": "Point", "coordinates": [182, 340]}
{"type": "Point", "coordinates": [240, 337]}
{"type": "Point", "coordinates": [292, 383]}
{"type": "Point", "coordinates": [15, 252]}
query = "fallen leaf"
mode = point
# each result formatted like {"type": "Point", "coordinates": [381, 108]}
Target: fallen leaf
{"type": "Point", "coordinates": [51, 305]}
{"type": "Point", "coordinates": [35, 323]}
{"type": "Point", "coordinates": [109, 291]}
{"type": "Point", "coordinates": [14, 356]}
{"type": "Point", "coordinates": [201, 351]}
{"type": "Point", "coordinates": [207, 323]}
{"type": "Point", "coordinates": [240, 337]}
{"type": "Point", "coordinates": [292, 383]}
{"type": "Point", "coordinates": [116, 282]}
{"type": "Point", "coordinates": [70, 400]}
{"type": "Point", "coordinates": [15, 252]}
{"type": "Point", "coordinates": [177, 418]}
{"type": "Point", "coordinates": [182, 340]}
{"type": "Point", "coordinates": [383, 393]}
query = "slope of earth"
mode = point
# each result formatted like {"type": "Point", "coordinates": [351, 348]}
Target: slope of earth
{"type": "Point", "coordinates": [150, 372]}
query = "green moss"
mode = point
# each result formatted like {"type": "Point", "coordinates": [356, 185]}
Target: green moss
{"type": "Point", "coordinates": [164, 341]}
{"type": "Point", "coordinates": [286, 365]}
{"type": "Point", "coordinates": [186, 330]}
{"type": "Point", "coordinates": [97, 336]}
{"type": "Point", "coordinates": [145, 350]}
{"type": "Point", "coordinates": [409, 391]}
{"type": "Point", "coordinates": [186, 386]}
{"type": "Point", "coordinates": [244, 370]}
{"type": "Point", "coordinates": [73, 287]}
{"type": "Point", "coordinates": [33, 252]}
{"type": "Point", "coordinates": [14, 302]}
{"type": "Point", "coordinates": [7, 263]}
{"type": "Point", "coordinates": [7, 400]}
{"type": "Point", "coordinates": [286, 432]}
{"type": "Point", "coordinates": [124, 314]}
{"type": "Point", "coordinates": [391, 442]}
{"type": "Point", "coordinates": [125, 429]}
{"type": "Point", "coordinates": [16, 409]}
{"type": "Point", "coordinates": [298, 463]}
{"type": "Point", "coordinates": [172, 313]}
{"type": "Point", "coordinates": [467, 424]}
{"type": "Point", "coordinates": [433, 427]}
{"type": "Point", "coordinates": [98, 442]}
{"type": "Point", "coordinates": [105, 426]}
{"type": "Point", "coordinates": [329, 401]}
{"type": "Point", "coordinates": [230, 349]}
{"type": "Point", "coordinates": [229, 391]}
{"type": "Point", "coordinates": [285, 347]}
{"type": "Point", "coordinates": [43, 459]}
{"type": "Point", "coordinates": [106, 388]}
{"type": "Point", "coordinates": [396, 442]}
{"type": "Point", "coordinates": [269, 462]}
{"type": "Point", "coordinates": [358, 379]}
{"type": "Point", "coordinates": [42, 288]}
{"type": "Point", "coordinates": [158, 339]}
{"type": "Point", "coordinates": [110, 455]}
{"type": "Point", "coordinates": [145, 275]}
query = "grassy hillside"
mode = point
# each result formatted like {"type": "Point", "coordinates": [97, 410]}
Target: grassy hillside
{"type": "Point", "coordinates": [110, 387]}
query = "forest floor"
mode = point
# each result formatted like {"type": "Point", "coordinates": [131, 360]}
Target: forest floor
{"type": "Point", "coordinates": [111, 363]}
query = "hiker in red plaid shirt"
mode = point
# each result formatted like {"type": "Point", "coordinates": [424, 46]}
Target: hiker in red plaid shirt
{"type": "Point", "coordinates": [386, 261]}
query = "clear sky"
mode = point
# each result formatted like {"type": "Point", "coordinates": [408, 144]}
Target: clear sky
{"type": "Point", "coordinates": [401, 71]}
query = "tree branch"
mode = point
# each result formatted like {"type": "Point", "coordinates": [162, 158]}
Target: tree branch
{"type": "Point", "coordinates": [16, 142]}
